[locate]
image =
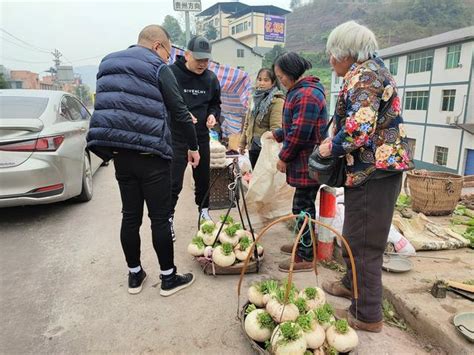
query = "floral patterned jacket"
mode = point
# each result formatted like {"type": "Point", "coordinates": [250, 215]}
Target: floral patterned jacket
{"type": "Point", "coordinates": [368, 141]}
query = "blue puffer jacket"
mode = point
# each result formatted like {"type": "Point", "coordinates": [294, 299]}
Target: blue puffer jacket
{"type": "Point", "coordinates": [129, 110]}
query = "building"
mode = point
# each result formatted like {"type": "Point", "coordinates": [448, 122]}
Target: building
{"type": "Point", "coordinates": [237, 54]}
{"type": "Point", "coordinates": [258, 27]}
{"type": "Point", "coordinates": [216, 16]}
{"type": "Point", "coordinates": [23, 79]}
{"type": "Point", "coordinates": [435, 82]}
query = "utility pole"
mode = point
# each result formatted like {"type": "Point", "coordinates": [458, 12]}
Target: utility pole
{"type": "Point", "coordinates": [188, 26]}
{"type": "Point", "coordinates": [57, 62]}
{"type": "Point", "coordinates": [187, 6]}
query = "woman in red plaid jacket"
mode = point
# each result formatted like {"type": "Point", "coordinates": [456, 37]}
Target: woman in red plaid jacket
{"type": "Point", "coordinates": [304, 120]}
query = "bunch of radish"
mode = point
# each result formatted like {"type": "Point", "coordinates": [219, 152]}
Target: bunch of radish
{"type": "Point", "coordinates": [303, 323]}
{"type": "Point", "coordinates": [232, 245]}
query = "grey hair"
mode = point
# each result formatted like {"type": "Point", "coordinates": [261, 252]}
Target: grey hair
{"type": "Point", "coordinates": [351, 40]}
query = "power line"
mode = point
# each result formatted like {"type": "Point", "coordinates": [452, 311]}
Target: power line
{"type": "Point", "coordinates": [82, 59]}
{"type": "Point", "coordinates": [28, 44]}
{"type": "Point", "coordinates": [23, 46]}
{"type": "Point", "coordinates": [25, 61]}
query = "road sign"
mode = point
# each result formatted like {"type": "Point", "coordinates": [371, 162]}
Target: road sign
{"type": "Point", "coordinates": [187, 5]}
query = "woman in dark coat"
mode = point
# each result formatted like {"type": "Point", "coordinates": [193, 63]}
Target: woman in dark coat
{"type": "Point", "coordinates": [304, 120]}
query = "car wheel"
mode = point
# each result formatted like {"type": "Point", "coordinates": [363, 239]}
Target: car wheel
{"type": "Point", "coordinates": [86, 193]}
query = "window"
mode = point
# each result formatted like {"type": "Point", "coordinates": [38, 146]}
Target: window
{"type": "Point", "coordinates": [75, 108]}
{"type": "Point", "coordinates": [21, 107]}
{"type": "Point", "coordinates": [453, 55]}
{"type": "Point", "coordinates": [420, 62]}
{"type": "Point", "coordinates": [240, 53]}
{"type": "Point", "coordinates": [448, 100]}
{"type": "Point", "coordinates": [441, 155]}
{"type": "Point", "coordinates": [393, 66]}
{"type": "Point", "coordinates": [411, 145]}
{"type": "Point", "coordinates": [233, 30]}
{"type": "Point", "coordinates": [241, 27]}
{"type": "Point", "coordinates": [216, 21]}
{"type": "Point", "coordinates": [240, 67]}
{"type": "Point", "coordinates": [416, 100]}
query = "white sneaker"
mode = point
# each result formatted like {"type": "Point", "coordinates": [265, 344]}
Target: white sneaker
{"type": "Point", "coordinates": [205, 214]}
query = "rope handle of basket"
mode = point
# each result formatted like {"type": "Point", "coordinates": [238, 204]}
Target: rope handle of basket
{"type": "Point", "coordinates": [293, 254]}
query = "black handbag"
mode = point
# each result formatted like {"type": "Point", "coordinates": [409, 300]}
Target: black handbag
{"type": "Point", "coordinates": [330, 171]}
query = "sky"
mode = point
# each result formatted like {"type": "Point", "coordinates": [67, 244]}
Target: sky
{"type": "Point", "coordinates": [83, 31]}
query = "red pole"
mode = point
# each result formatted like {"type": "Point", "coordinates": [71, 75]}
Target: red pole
{"type": "Point", "coordinates": [327, 212]}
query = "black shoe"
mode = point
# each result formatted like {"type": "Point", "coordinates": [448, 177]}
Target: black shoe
{"type": "Point", "coordinates": [175, 282]}
{"type": "Point", "coordinates": [173, 236]}
{"type": "Point", "coordinates": [136, 281]}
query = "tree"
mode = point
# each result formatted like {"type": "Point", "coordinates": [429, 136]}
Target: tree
{"type": "Point", "coordinates": [294, 4]}
{"type": "Point", "coordinates": [171, 25]}
{"type": "Point", "coordinates": [3, 83]}
{"type": "Point", "coordinates": [83, 93]}
{"type": "Point", "coordinates": [210, 32]}
{"type": "Point", "coordinates": [273, 54]}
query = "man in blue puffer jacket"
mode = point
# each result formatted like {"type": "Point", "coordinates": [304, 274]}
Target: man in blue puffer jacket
{"type": "Point", "coordinates": [136, 96]}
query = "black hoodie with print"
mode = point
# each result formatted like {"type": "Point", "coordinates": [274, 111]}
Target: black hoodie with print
{"type": "Point", "coordinates": [202, 95]}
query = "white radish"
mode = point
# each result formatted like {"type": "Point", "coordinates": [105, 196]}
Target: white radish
{"type": "Point", "coordinates": [255, 296]}
{"type": "Point", "coordinates": [241, 233]}
{"type": "Point", "coordinates": [229, 234]}
{"type": "Point", "coordinates": [324, 316]}
{"type": "Point", "coordinates": [288, 339]}
{"type": "Point", "coordinates": [314, 296]}
{"type": "Point", "coordinates": [196, 247]}
{"type": "Point", "coordinates": [242, 249]}
{"type": "Point", "coordinates": [208, 252]}
{"type": "Point", "coordinates": [207, 227]}
{"type": "Point", "coordinates": [225, 238]}
{"type": "Point", "coordinates": [280, 312]}
{"type": "Point", "coordinates": [223, 255]}
{"type": "Point", "coordinates": [342, 337]}
{"type": "Point", "coordinates": [313, 332]}
{"type": "Point", "coordinates": [259, 325]}
{"type": "Point", "coordinates": [208, 238]}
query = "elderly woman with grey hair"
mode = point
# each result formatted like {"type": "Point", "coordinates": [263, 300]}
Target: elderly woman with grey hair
{"type": "Point", "coordinates": [369, 135]}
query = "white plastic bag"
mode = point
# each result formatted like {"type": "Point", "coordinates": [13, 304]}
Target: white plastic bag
{"type": "Point", "coordinates": [268, 196]}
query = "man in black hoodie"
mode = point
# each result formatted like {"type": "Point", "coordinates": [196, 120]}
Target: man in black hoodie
{"type": "Point", "coordinates": [202, 94]}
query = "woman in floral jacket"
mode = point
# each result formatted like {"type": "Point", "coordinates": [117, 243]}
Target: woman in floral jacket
{"type": "Point", "coordinates": [369, 133]}
{"type": "Point", "coordinates": [304, 120]}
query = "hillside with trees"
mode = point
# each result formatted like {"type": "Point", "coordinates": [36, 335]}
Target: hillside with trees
{"type": "Point", "coordinates": [393, 21]}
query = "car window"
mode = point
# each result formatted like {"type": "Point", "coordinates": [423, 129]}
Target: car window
{"type": "Point", "coordinates": [22, 106]}
{"type": "Point", "coordinates": [65, 110]}
{"type": "Point", "coordinates": [74, 108]}
{"type": "Point", "coordinates": [84, 112]}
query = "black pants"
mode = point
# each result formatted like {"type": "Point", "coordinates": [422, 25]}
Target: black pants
{"type": "Point", "coordinates": [201, 173]}
{"type": "Point", "coordinates": [367, 219]}
{"type": "Point", "coordinates": [253, 156]}
{"type": "Point", "coordinates": [145, 178]}
{"type": "Point", "coordinates": [304, 201]}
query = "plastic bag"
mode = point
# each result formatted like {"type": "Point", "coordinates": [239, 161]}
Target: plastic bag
{"type": "Point", "coordinates": [269, 196]}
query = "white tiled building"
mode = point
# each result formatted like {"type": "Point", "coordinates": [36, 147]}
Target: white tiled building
{"type": "Point", "coordinates": [435, 82]}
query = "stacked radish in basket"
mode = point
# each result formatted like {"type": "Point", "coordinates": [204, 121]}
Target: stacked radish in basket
{"type": "Point", "coordinates": [229, 247]}
{"type": "Point", "coordinates": [304, 324]}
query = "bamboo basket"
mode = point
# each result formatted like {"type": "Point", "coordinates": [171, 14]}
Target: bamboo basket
{"type": "Point", "coordinates": [259, 347]}
{"type": "Point", "coordinates": [434, 193]}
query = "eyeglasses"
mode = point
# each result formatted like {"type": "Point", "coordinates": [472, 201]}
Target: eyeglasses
{"type": "Point", "coordinates": [168, 54]}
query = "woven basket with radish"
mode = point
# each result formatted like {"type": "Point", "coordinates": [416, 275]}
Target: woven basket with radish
{"type": "Point", "coordinates": [221, 247]}
{"type": "Point", "coordinates": [279, 318]}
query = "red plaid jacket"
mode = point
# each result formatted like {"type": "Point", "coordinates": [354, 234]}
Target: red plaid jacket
{"type": "Point", "coordinates": [304, 120]}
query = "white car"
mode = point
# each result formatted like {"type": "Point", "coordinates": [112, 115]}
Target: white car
{"type": "Point", "coordinates": [43, 154]}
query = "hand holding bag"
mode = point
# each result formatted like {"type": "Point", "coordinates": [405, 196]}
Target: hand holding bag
{"type": "Point", "coordinates": [330, 171]}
